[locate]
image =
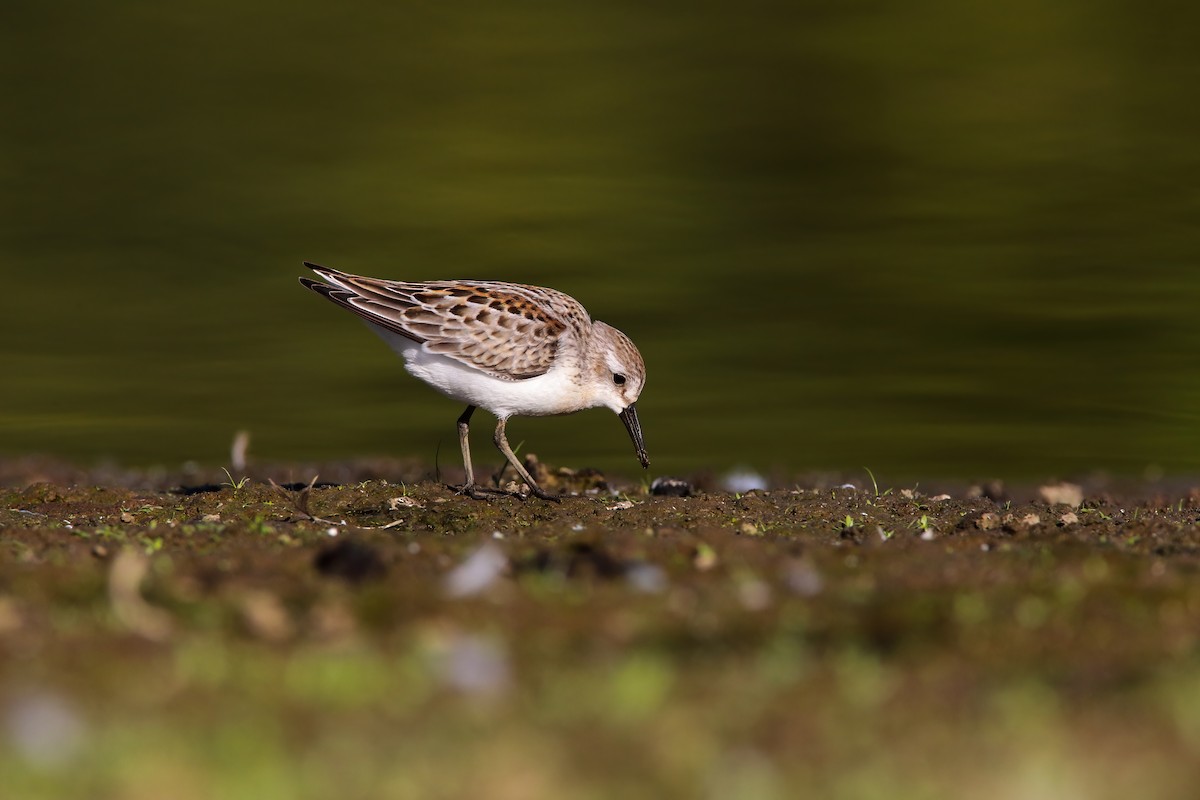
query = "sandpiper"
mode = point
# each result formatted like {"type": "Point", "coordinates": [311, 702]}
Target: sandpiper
{"type": "Point", "coordinates": [508, 348]}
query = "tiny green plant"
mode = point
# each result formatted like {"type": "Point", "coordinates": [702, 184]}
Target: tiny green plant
{"type": "Point", "coordinates": [874, 483]}
{"type": "Point", "coordinates": [235, 485]}
{"type": "Point", "coordinates": [764, 525]}
{"type": "Point", "coordinates": [260, 526]}
{"type": "Point", "coordinates": [151, 545]}
{"type": "Point", "coordinates": [110, 533]}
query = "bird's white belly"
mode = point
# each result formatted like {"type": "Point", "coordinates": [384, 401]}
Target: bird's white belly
{"type": "Point", "coordinates": [552, 393]}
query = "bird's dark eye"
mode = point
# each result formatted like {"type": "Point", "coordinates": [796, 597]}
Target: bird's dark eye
{"type": "Point", "coordinates": [618, 379]}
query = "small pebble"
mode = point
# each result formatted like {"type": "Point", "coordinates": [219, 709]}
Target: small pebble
{"type": "Point", "coordinates": [477, 572]}
{"type": "Point", "coordinates": [705, 557]}
{"type": "Point", "coordinates": [670, 487]}
{"type": "Point", "coordinates": [397, 503]}
{"type": "Point", "coordinates": [743, 480]}
{"type": "Point", "coordinates": [44, 729]}
{"type": "Point", "coordinates": [1062, 493]}
{"type": "Point", "coordinates": [474, 665]}
{"type": "Point", "coordinates": [350, 559]}
{"type": "Point", "coordinates": [646, 578]}
{"type": "Point", "coordinates": [988, 521]}
{"type": "Point", "coordinates": [754, 594]}
{"type": "Point", "coordinates": [802, 578]}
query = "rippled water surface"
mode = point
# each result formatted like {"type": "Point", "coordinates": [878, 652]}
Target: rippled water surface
{"type": "Point", "coordinates": [928, 238]}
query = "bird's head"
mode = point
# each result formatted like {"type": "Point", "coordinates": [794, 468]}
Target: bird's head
{"type": "Point", "coordinates": [617, 375]}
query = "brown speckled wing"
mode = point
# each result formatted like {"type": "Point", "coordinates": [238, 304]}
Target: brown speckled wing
{"type": "Point", "coordinates": [508, 330]}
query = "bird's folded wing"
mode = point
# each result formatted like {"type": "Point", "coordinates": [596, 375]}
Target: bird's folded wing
{"type": "Point", "coordinates": [510, 331]}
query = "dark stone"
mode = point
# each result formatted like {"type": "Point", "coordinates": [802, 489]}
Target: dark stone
{"type": "Point", "coordinates": [350, 560]}
{"type": "Point", "coordinates": [671, 487]}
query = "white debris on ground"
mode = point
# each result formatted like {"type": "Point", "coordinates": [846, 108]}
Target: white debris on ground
{"type": "Point", "coordinates": [397, 503]}
{"type": "Point", "coordinates": [125, 577]}
{"type": "Point", "coordinates": [471, 664]}
{"type": "Point", "coordinates": [1062, 493]}
{"type": "Point", "coordinates": [239, 450]}
{"type": "Point", "coordinates": [476, 573]}
{"type": "Point", "coordinates": [44, 729]}
{"type": "Point", "coordinates": [754, 593]}
{"type": "Point", "coordinates": [742, 480]}
{"type": "Point", "coordinates": [802, 578]}
{"type": "Point", "coordinates": [646, 578]}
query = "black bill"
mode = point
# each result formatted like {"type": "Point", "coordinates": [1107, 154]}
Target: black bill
{"type": "Point", "coordinates": [629, 417]}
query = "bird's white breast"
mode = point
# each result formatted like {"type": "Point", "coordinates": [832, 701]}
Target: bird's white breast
{"type": "Point", "coordinates": [555, 392]}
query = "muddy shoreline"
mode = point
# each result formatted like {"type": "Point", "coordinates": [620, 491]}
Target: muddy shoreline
{"type": "Point", "coordinates": [616, 640]}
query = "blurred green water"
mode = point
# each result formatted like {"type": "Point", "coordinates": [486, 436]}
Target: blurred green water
{"type": "Point", "coordinates": [930, 238]}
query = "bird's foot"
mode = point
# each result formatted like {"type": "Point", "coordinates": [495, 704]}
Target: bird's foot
{"type": "Point", "coordinates": [477, 492]}
{"type": "Point", "coordinates": [515, 487]}
{"type": "Point", "coordinates": [543, 495]}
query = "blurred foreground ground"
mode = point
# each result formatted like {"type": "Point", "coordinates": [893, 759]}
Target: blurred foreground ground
{"type": "Point", "coordinates": [199, 636]}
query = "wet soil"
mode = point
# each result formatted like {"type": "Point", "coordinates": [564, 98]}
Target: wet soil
{"type": "Point", "coordinates": [376, 634]}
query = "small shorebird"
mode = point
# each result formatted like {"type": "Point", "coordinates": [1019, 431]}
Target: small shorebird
{"type": "Point", "coordinates": [510, 349]}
